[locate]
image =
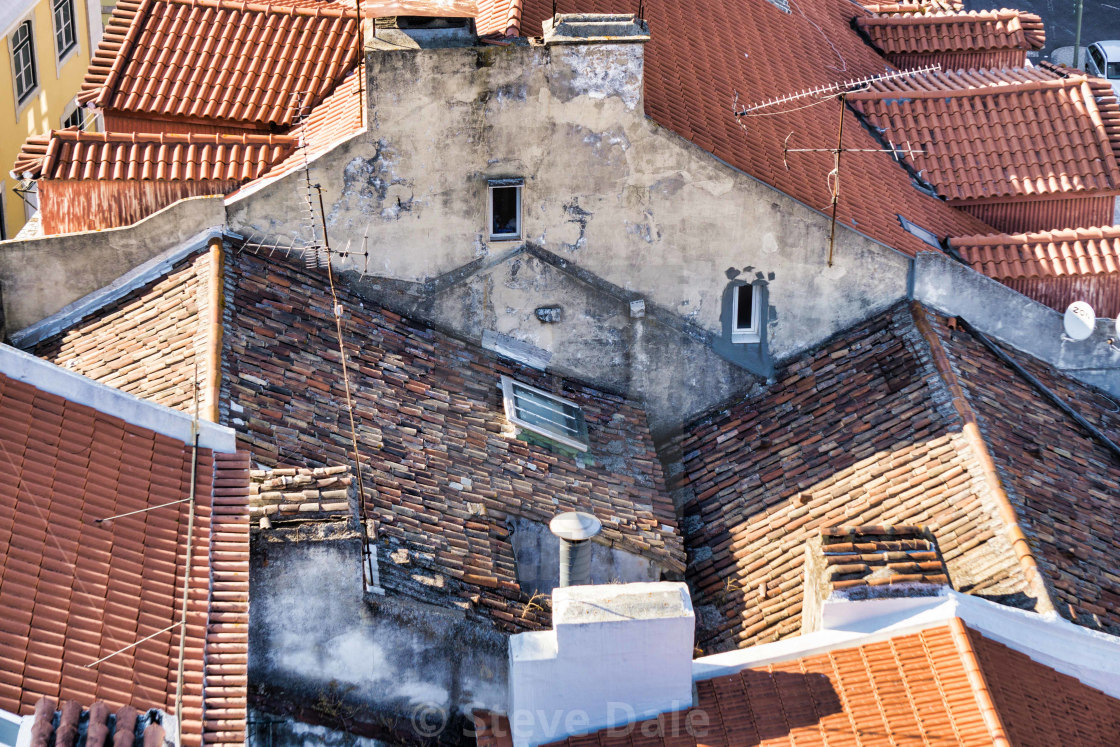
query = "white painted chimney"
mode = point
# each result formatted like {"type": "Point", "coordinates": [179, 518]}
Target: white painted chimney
{"type": "Point", "coordinates": [617, 653]}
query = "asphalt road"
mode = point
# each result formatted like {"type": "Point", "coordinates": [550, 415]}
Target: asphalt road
{"type": "Point", "coordinates": [1100, 20]}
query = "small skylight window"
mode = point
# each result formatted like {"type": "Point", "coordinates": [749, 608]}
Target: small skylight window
{"type": "Point", "coordinates": [505, 209]}
{"type": "Point", "coordinates": [545, 414]}
{"type": "Point", "coordinates": [782, 5]}
{"type": "Point", "coordinates": [746, 314]}
{"type": "Point", "coordinates": [924, 234]}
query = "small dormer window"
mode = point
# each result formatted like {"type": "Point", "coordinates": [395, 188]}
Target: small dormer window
{"type": "Point", "coordinates": [505, 209]}
{"type": "Point", "coordinates": [545, 414]}
{"type": "Point", "coordinates": [746, 314]}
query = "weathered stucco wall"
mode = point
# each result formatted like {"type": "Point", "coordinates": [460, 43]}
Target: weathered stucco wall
{"type": "Point", "coordinates": [40, 276]}
{"type": "Point", "coordinates": [378, 666]}
{"type": "Point", "coordinates": [605, 189]}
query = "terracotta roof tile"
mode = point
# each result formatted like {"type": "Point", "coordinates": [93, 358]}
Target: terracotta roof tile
{"type": "Point", "coordinates": [147, 342]}
{"type": "Point", "coordinates": [1080, 251]}
{"type": "Point", "coordinates": [74, 590]}
{"type": "Point", "coordinates": [918, 6]}
{"type": "Point", "coordinates": [296, 493]}
{"type": "Point", "coordinates": [102, 728]}
{"type": "Point", "coordinates": [498, 17]}
{"type": "Point", "coordinates": [220, 59]}
{"type": "Point", "coordinates": [69, 154]}
{"type": "Point", "coordinates": [984, 30]}
{"type": "Point", "coordinates": [865, 557]}
{"type": "Point", "coordinates": [972, 154]}
{"type": "Point", "coordinates": [701, 53]}
{"type": "Point", "coordinates": [944, 685]}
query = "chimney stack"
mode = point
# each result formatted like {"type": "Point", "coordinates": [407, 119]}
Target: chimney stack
{"type": "Point", "coordinates": [575, 529]}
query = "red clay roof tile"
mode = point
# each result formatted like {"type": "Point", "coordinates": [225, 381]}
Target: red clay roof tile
{"type": "Point", "coordinates": [1076, 251]}
{"type": "Point", "coordinates": [979, 133]}
{"type": "Point", "coordinates": [220, 59]}
{"type": "Point", "coordinates": [953, 32]}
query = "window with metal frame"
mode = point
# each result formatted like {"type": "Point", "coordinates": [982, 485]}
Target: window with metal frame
{"type": "Point", "coordinates": [746, 314]}
{"type": "Point", "coordinates": [65, 38]}
{"type": "Point", "coordinates": [23, 62]}
{"type": "Point", "coordinates": [545, 414]}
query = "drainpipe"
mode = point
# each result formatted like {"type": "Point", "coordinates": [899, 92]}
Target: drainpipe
{"type": "Point", "coordinates": [575, 529]}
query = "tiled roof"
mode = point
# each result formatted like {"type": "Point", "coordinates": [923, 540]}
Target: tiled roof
{"type": "Point", "coordinates": [872, 428]}
{"type": "Point", "coordinates": [442, 469]}
{"type": "Point", "coordinates": [859, 431]}
{"type": "Point", "coordinates": [917, 6]}
{"type": "Point", "coordinates": [70, 154]}
{"type": "Point", "coordinates": [702, 52]}
{"type": "Point", "coordinates": [1001, 134]}
{"type": "Point", "coordinates": [220, 59]}
{"type": "Point", "coordinates": [951, 32]}
{"type": "Point", "coordinates": [861, 558]}
{"type": "Point", "coordinates": [1080, 251]}
{"type": "Point", "coordinates": [498, 17]}
{"type": "Point", "coordinates": [294, 493]}
{"type": "Point", "coordinates": [75, 590]}
{"type": "Point", "coordinates": [148, 342]}
{"type": "Point", "coordinates": [943, 685]}
{"type": "Point", "coordinates": [102, 727]}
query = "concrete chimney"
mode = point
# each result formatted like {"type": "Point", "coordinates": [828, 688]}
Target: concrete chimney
{"type": "Point", "coordinates": [617, 653]}
{"type": "Point", "coordinates": [575, 529]}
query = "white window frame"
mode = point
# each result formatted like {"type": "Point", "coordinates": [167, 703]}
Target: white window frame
{"type": "Point", "coordinates": [507, 386]}
{"type": "Point", "coordinates": [72, 109]}
{"type": "Point", "coordinates": [29, 95]}
{"type": "Point", "coordinates": [61, 56]}
{"type": "Point", "coordinates": [752, 333]}
{"type": "Point", "coordinates": [492, 184]}
{"type": "Point", "coordinates": [23, 731]}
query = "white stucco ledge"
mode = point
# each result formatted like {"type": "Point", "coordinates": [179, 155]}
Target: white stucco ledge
{"type": "Point", "coordinates": [53, 379]}
{"type": "Point", "coordinates": [1090, 656]}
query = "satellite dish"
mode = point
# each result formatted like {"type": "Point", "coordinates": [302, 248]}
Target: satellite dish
{"type": "Point", "coordinates": [1080, 321]}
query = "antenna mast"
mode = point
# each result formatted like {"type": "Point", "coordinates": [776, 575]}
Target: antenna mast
{"type": "Point", "coordinates": [840, 92]}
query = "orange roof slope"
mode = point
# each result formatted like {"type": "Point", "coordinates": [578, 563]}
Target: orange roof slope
{"type": "Point", "coordinates": [220, 59]}
{"type": "Point", "coordinates": [917, 6]}
{"type": "Point", "coordinates": [954, 32]}
{"type": "Point", "coordinates": [702, 52]}
{"type": "Point", "coordinates": [946, 685]}
{"type": "Point", "coordinates": [498, 17]}
{"type": "Point", "coordinates": [71, 154]}
{"type": "Point", "coordinates": [1000, 134]}
{"type": "Point", "coordinates": [74, 590]}
{"type": "Point", "coordinates": [1081, 251]}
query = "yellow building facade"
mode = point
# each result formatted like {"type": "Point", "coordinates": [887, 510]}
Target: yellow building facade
{"type": "Point", "coordinates": [46, 49]}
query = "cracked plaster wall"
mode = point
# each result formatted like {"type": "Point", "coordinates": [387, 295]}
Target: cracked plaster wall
{"type": "Point", "coordinates": [606, 189]}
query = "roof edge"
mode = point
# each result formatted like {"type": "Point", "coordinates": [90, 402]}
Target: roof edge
{"type": "Point", "coordinates": [979, 686]}
{"type": "Point", "coordinates": [970, 428]}
{"type": "Point", "coordinates": [74, 387]}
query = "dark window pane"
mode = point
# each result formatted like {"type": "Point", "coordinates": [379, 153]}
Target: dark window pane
{"type": "Point", "coordinates": [64, 38]}
{"type": "Point", "coordinates": [504, 203]}
{"type": "Point", "coordinates": [744, 311]}
{"type": "Point", "coordinates": [1114, 70]}
{"type": "Point", "coordinates": [23, 61]}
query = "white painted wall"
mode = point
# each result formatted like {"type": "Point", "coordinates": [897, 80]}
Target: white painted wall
{"type": "Point", "coordinates": [617, 653]}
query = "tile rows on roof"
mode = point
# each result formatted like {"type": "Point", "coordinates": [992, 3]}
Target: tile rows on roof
{"type": "Point", "coordinates": [859, 431]}
{"type": "Point", "coordinates": [99, 726]}
{"type": "Point", "coordinates": [1057, 478]}
{"type": "Point", "coordinates": [220, 59]}
{"type": "Point", "coordinates": [75, 590]}
{"type": "Point", "coordinates": [869, 556]}
{"type": "Point", "coordinates": [148, 342]}
{"type": "Point", "coordinates": [300, 493]}
{"type": "Point", "coordinates": [501, 17]}
{"type": "Point", "coordinates": [72, 154]}
{"type": "Point", "coordinates": [917, 6]}
{"type": "Point", "coordinates": [998, 134]}
{"type": "Point", "coordinates": [946, 31]}
{"type": "Point", "coordinates": [1075, 251]}
{"type": "Point", "coordinates": [444, 468]}
{"type": "Point", "coordinates": [701, 52]}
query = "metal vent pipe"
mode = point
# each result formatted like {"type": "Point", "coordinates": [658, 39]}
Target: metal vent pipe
{"type": "Point", "coordinates": [574, 529]}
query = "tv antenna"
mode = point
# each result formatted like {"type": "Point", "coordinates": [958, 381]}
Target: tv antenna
{"type": "Point", "coordinates": [838, 91]}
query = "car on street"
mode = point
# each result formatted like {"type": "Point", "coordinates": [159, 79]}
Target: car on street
{"type": "Point", "coordinates": [1103, 60]}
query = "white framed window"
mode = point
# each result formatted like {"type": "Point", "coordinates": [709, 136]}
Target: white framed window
{"type": "Point", "coordinates": [924, 234]}
{"type": "Point", "coordinates": [746, 314]}
{"type": "Point", "coordinates": [23, 62]}
{"type": "Point", "coordinates": [65, 35]}
{"type": "Point", "coordinates": [10, 725]}
{"type": "Point", "coordinates": [73, 119]}
{"type": "Point", "coordinates": [545, 414]}
{"type": "Point", "coordinates": [503, 208]}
